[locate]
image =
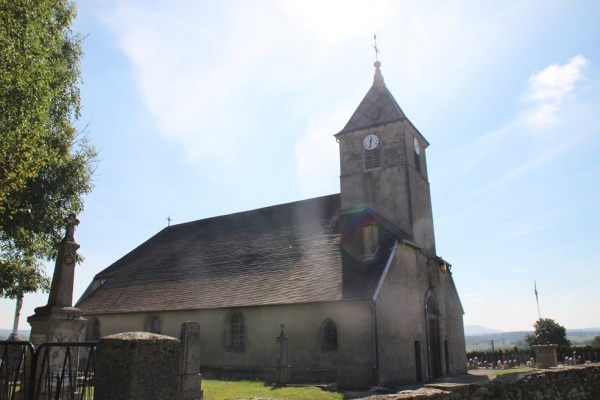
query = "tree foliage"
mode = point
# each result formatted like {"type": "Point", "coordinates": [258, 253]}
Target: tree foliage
{"type": "Point", "coordinates": [547, 331]}
{"type": "Point", "coordinates": [596, 341]}
{"type": "Point", "coordinates": [45, 164]}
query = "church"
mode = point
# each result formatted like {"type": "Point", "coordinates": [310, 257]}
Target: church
{"type": "Point", "coordinates": [351, 279]}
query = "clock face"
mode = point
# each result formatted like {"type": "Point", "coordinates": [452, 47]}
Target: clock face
{"type": "Point", "coordinates": [416, 146]}
{"type": "Point", "coordinates": [371, 142]}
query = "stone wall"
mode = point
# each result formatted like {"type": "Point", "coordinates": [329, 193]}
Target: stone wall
{"type": "Point", "coordinates": [350, 365]}
{"type": "Point", "coordinates": [581, 383]}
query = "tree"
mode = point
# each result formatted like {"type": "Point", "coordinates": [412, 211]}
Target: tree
{"type": "Point", "coordinates": [547, 331]}
{"type": "Point", "coordinates": [45, 164]}
{"type": "Point", "coordinates": [596, 341]}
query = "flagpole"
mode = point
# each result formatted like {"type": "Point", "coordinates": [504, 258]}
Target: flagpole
{"type": "Point", "coordinates": [536, 298]}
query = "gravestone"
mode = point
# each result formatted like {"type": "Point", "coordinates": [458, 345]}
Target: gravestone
{"type": "Point", "coordinates": [137, 366]}
{"type": "Point", "coordinates": [190, 361]}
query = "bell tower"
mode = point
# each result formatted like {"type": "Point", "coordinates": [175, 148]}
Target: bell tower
{"type": "Point", "coordinates": [383, 165]}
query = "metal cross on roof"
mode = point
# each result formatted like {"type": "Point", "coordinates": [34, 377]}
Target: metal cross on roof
{"type": "Point", "coordinates": [375, 47]}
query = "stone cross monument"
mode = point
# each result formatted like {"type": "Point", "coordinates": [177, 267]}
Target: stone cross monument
{"type": "Point", "coordinates": [283, 367]}
{"type": "Point", "coordinates": [59, 321]}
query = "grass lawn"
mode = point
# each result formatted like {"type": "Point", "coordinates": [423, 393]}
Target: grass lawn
{"type": "Point", "coordinates": [221, 390]}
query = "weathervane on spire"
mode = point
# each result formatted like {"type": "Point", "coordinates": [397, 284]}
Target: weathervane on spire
{"type": "Point", "coordinates": [375, 47]}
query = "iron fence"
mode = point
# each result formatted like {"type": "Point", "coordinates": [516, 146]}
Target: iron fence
{"type": "Point", "coordinates": [15, 368]}
{"type": "Point", "coordinates": [56, 371]}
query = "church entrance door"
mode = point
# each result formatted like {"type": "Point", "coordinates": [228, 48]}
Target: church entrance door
{"type": "Point", "coordinates": [434, 348]}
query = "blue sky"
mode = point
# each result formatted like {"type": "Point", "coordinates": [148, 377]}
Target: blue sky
{"type": "Point", "coordinates": [204, 108]}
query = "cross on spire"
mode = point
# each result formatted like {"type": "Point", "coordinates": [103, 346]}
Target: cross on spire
{"type": "Point", "coordinates": [169, 220]}
{"type": "Point", "coordinates": [375, 47]}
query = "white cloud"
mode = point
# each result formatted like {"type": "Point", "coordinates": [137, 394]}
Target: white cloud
{"type": "Point", "coordinates": [335, 21]}
{"type": "Point", "coordinates": [317, 153]}
{"type": "Point", "coordinates": [548, 87]}
{"type": "Point", "coordinates": [212, 76]}
{"type": "Point", "coordinates": [556, 80]}
{"type": "Point", "coordinates": [544, 114]}
{"type": "Point", "coordinates": [200, 66]}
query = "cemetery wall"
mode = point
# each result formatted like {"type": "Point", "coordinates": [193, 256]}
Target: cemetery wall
{"type": "Point", "coordinates": [582, 383]}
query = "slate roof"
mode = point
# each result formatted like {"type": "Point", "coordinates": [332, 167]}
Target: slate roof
{"type": "Point", "coordinates": [378, 107]}
{"type": "Point", "coordinates": [283, 254]}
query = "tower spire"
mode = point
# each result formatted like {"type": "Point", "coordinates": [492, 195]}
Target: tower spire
{"type": "Point", "coordinates": [378, 79]}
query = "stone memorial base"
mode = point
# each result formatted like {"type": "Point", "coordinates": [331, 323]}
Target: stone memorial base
{"type": "Point", "coordinates": [545, 355]}
{"type": "Point", "coordinates": [51, 324]}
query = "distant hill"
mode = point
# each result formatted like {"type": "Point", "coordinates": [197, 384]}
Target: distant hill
{"type": "Point", "coordinates": [507, 340]}
{"type": "Point", "coordinates": [501, 341]}
{"type": "Point", "coordinates": [5, 333]}
{"type": "Point", "coordinates": [587, 330]}
{"type": "Point", "coordinates": [471, 330]}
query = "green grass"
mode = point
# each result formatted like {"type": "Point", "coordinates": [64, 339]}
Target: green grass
{"type": "Point", "coordinates": [221, 390]}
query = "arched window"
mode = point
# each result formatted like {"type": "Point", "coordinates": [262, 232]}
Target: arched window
{"type": "Point", "coordinates": [328, 335]}
{"type": "Point", "coordinates": [153, 324]}
{"type": "Point", "coordinates": [431, 306]}
{"type": "Point", "coordinates": [235, 332]}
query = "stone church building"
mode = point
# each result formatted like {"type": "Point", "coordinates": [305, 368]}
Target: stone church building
{"type": "Point", "coordinates": [353, 277]}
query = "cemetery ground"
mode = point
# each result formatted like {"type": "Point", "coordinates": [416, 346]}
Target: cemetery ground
{"type": "Point", "coordinates": [222, 390]}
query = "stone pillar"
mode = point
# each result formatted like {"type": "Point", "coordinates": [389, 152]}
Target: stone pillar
{"type": "Point", "coordinates": [545, 355]}
{"type": "Point", "coordinates": [191, 379]}
{"type": "Point", "coordinates": [137, 366]}
{"type": "Point", "coordinates": [283, 368]}
{"type": "Point", "coordinates": [59, 321]}
{"type": "Point", "coordinates": [15, 332]}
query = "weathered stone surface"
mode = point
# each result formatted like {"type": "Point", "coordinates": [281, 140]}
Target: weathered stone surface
{"type": "Point", "coordinates": [59, 321]}
{"type": "Point", "coordinates": [190, 361]}
{"type": "Point", "coordinates": [582, 383]}
{"type": "Point", "coordinates": [138, 365]}
{"type": "Point", "coordinates": [546, 355]}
